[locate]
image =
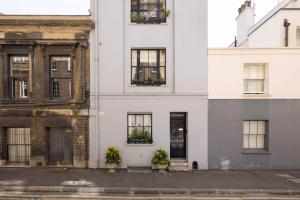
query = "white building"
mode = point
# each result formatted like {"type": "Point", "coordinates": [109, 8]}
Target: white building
{"type": "Point", "coordinates": [149, 77]}
{"type": "Point", "coordinates": [278, 28]}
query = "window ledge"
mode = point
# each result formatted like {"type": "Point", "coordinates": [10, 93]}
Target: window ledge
{"type": "Point", "coordinates": [17, 101]}
{"type": "Point", "coordinates": [141, 145]}
{"type": "Point", "coordinates": [147, 24]}
{"type": "Point", "coordinates": [149, 86]}
{"type": "Point", "coordinates": [249, 151]}
{"type": "Point", "coordinates": [256, 95]}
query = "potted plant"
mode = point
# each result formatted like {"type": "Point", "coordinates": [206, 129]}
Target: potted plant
{"type": "Point", "coordinates": [113, 159]}
{"type": "Point", "coordinates": [161, 160]}
{"type": "Point", "coordinates": [164, 14]}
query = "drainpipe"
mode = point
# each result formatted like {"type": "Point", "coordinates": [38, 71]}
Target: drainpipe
{"type": "Point", "coordinates": [286, 24]}
{"type": "Point", "coordinates": [97, 79]}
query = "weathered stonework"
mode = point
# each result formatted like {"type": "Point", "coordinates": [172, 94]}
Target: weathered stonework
{"type": "Point", "coordinates": [41, 37]}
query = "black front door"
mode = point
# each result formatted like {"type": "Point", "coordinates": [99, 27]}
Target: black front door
{"type": "Point", "coordinates": [178, 135]}
{"type": "Point", "coordinates": [60, 147]}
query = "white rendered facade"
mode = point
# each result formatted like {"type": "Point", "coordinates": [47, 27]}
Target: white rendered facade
{"type": "Point", "coordinates": [114, 97]}
{"type": "Point", "coordinates": [270, 31]}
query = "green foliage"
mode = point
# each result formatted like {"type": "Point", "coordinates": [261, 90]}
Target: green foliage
{"type": "Point", "coordinates": [164, 14]}
{"type": "Point", "coordinates": [112, 156]}
{"type": "Point", "coordinates": [160, 157]}
{"type": "Point", "coordinates": [137, 19]}
{"type": "Point", "coordinates": [139, 136]}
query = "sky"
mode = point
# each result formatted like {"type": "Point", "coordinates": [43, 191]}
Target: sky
{"type": "Point", "coordinates": [221, 13]}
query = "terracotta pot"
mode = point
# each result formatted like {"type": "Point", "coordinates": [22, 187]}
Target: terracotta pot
{"type": "Point", "coordinates": [111, 167]}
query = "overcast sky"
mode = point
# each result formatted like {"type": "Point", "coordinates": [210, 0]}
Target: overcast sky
{"type": "Point", "coordinates": [222, 13]}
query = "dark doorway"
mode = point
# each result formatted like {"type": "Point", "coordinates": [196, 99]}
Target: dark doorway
{"type": "Point", "coordinates": [60, 147]}
{"type": "Point", "coordinates": [178, 135]}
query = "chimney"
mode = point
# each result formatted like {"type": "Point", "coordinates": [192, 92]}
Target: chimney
{"type": "Point", "coordinates": [245, 21]}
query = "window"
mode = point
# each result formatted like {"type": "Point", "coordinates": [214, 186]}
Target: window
{"type": "Point", "coordinates": [61, 77]}
{"type": "Point", "coordinates": [148, 67]}
{"type": "Point", "coordinates": [255, 134]}
{"type": "Point", "coordinates": [139, 129]}
{"type": "Point", "coordinates": [18, 146]}
{"type": "Point", "coordinates": [148, 11]}
{"type": "Point", "coordinates": [19, 76]}
{"type": "Point", "coordinates": [298, 37]}
{"type": "Point", "coordinates": [254, 79]}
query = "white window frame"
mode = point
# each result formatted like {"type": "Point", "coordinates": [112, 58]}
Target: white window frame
{"type": "Point", "coordinates": [255, 129]}
{"type": "Point", "coordinates": [265, 78]}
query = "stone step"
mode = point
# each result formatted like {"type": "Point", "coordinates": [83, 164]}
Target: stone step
{"type": "Point", "coordinates": [179, 165]}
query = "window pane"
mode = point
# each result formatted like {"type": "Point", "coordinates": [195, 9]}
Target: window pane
{"type": "Point", "coordinates": [246, 127]}
{"type": "Point", "coordinates": [19, 66]}
{"type": "Point", "coordinates": [260, 72]}
{"type": "Point", "coordinates": [153, 8]}
{"type": "Point", "coordinates": [298, 37]}
{"type": "Point", "coordinates": [144, 5]}
{"type": "Point", "coordinates": [134, 5]}
{"type": "Point", "coordinates": [253, 127]}
{"type": "Point", "coordinates": [141, 74]}
{"type": "Point", "coordinates": [162, 58]}
{"type": "Point", "coordinates": [153, 58]}
{"type": "Point", "coordinates": [162, 74]}
{"type": "Point", "coordinates": [260, 141]}
{"type": "Point", "coordinates": [247, 72]}
{"type": "Point", "coordinates": [131, 120]}
{"type": "Point", "coordinates": [147, 131]}
{"type": "Point", "coordinates": [134, 58]}
{"type": "Point", "coordinates": [139, 120]}
{"type": "Point", "coordinates": [162, 4]}
{"type": "Point", "coordinates": [61, 66]}
{"type": "Point", "coordinates": [144, 59]}
{"type": "Point", "coordinates": [147, 120]}
{"type": "Point", "coordinates": [246, 141]}
{"type": "Point", "coordinates": [254, 86]}
{"type": "Point", "coordinates": [261, 127]}
{"type": "Point", "coordinates": [252, 141]}
{"type": "Point", "coordinates": [134, 74]}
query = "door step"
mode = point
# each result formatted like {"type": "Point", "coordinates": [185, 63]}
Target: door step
{"type": "Point", "coordinates": [179, 166]}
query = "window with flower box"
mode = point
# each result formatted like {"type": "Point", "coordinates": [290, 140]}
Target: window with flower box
{"type": "Point", "coordinates": [148, 67]}
{"type": "Point", "coordinates": [148, 11]}
{"type": "Point", "coordinates": [139, 129]}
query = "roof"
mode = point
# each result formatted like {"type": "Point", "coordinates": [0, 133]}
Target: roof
{"type": "Point", "coordinates": [268, 16]}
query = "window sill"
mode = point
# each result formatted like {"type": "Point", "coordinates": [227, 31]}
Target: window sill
{"type": "Point", "coordinates": [256, 95]}
{"type": "Point", "coordinates": [255, 151]}
{"type": "Point", "coordinates": [148, 86]}
{"type": "Point", "coordinates": [147, 24]}
{"type": "Point", "coordinates": [142, 145]}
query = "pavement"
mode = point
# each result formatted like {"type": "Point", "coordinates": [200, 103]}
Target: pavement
{"type": "Point", "coordinates": [56, 183]}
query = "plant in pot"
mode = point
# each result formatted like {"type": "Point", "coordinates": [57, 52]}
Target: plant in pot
{"type": "Point", "coordinates": [161, 160]}
{"type": "Point", "coordinates": [113, 158]}
{"type": "Point", "coordinates": [164, 14]}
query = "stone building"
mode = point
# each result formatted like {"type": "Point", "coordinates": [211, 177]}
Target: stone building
{"type": "Point", "coordinates": [44, 94]}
